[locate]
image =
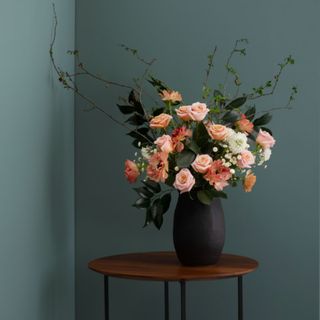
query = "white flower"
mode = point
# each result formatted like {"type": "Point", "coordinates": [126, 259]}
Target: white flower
{"type": "Point", "coordinates": [230, 132]}
{"type": "Point", "coordinates": [146, 152]}
{"type": "Point", "coordinates": [232, 171]}
{"type": "Point", "coordinates": [266, 154]}
{"type": "Point", "coordinates": [215, 149]}
{"type": "Point", "coordinates": [237, 142]}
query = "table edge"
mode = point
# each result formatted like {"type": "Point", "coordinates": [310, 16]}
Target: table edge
{"type": "Point", "coordinates": [155, 278]}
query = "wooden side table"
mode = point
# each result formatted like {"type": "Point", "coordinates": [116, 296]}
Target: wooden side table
{"type": "Point", "coordinates": [164, 266]}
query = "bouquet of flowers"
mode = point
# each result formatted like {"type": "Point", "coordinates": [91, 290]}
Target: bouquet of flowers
{"type": "Point", "coordinates": [200, 148]}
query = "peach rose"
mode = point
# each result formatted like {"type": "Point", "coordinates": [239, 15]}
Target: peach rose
{"type": "Point", "coordinates": [246, 160]}
{"type": "Point", "coordinates": [244, 125]}
{"type": "Point", "coordinates": [161, 121]}
{"type": "Point", "coordinates": [198, 111]}
{"type": "Point", "coordinates": [183, 113]}
{"type": "Point", "coordinates": [218, 175]}
{"type": "Point", "coordinates": [184, 181]}
{"type": "Point", "coordinates": [265, 139]}
{"type": "Point", "coordinates": [157, 169]}
{"type": "Point", "coordinates": [131, 171]}
{"type": "Point", "coordinates": [170, 95]}
{"type": "Point", "coordinates": [217, 131]}
{"type": "Point", "coordinates": [202, 163]}
{"type": "Point", "coordinates": [249, 181]}
{"type": "Point", "coordinates": [164, 143]}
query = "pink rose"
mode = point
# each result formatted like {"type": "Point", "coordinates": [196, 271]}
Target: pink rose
{"type": "Point", "coordinates": [198, 111]}
{"type": "Point", "coordinates": [265, 139]}
{"type": "Point", "coordinates": [183, 113]}
{"type": "Point", "coordinates": [157, 169]}
{"type": "Point", "coordinates": [218, 175]}
{"type": "Point", "coordinates": [217, 131]}
{"type": "Point", "coordinates": [184, 181]}
{"type": "Point", "coordinates": [161, 121]}
{"type": "Point", "coordinates": [170, 95]}
{"type": "Point", "coordinates": [246, 160]}
{"type": "Point", "coordinates": [202, 163]}
{"type": "Point", "coordinates": [164, 143]}
{"type": "Point", "coordinates": [244, 125]}
{"type": "Point", "coordinates": [131, 171]}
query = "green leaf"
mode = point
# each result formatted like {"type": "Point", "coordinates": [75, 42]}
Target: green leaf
{"type": "Point", "coordinates": [142, 203]}
{"type": "Point", "coordinates": [200, 135]}
{"type": "Point", "coordinates": [134, 100]}
{"type": "Point", "coordinates": [157, 213]}
{"type": "Point", "coordinates": [148, 218]}
{"type": "Point", "coordinates": [207, 196]}
{"type": "Point", "coordinates": [231, 116]}
{"type": "Point", "coordinates": [139, 143]}
{"type": "Point", "coordinates": [185, 158]}
{"type": "Point", "coordinates": [193, 147]}
{"type": "Point", "coordinates": [236, 103]}
{"type": "Point", "coordinates": [267, 129]}
{"type": "Point", "coordinates": [126, 109]}
{"type": "Point", "coordinates": [136, 120]}
{"type": "Point", "coordinates": [144, 192]}
{"type": "Point", "coordinates": [217, 93]}
{"type": "Point", "coordinates": [250, 113]}
{"type": "Point", "coordinates": [136, 134]}
{"type": "Point", "coordinates": [266, 118]}
{"type": "Point", "coordinates": [165, 201]}
{"type": "Point", "coordinates": [158, 111]}
{"type": "Point", "coordinates": [152, 185]}
{"type": "Point", "coordinates": [158, 84]}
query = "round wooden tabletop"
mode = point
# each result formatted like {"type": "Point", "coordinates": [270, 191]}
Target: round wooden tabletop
{"type": "Point", "coordinates": [164, 266]}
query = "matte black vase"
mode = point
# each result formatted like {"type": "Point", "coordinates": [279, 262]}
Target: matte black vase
{"type": "Point", "coordinates": [198, 231]}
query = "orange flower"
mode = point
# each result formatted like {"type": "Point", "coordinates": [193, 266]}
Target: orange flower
{"type": "Point", "coordinates": [131, 171]}
{"type": "Point", "coordinates": [170, 95]}
{"type": "Point", "coordinates": [178, 135]}
{"type": "Point", "coordinates": [244, 125]}
{"type": "Point", "coordinates": [249, 181]}
{"type": "Point", "coordinates": [157, 169]}
{"type": "Point", "coordinates": [161, 121]}
{"type": "Point", "coordinates": [218, 175]}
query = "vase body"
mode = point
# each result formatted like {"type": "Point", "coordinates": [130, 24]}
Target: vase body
{"type": "Point", "coordinates": [198, 231]}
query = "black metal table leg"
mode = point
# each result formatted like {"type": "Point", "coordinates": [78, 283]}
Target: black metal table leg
{"type": "Point", "coordinates": [183, 300]}
{"type": "Point", "coordinates": [166, 300]}
{"type": "Point", "coordinates": [240, 298]}
{"type": "Point", "coordinates": [106, 298]}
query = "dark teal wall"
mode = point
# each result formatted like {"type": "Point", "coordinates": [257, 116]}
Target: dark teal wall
{"type": "Point", "coordinates": [36, 184]}
{"type": "Point", "coordinates": [277, 224]}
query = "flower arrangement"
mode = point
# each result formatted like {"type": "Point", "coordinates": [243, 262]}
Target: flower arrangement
{"type": "Point", "coordinates": [200, 148]}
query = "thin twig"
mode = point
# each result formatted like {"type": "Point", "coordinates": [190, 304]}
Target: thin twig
{"type": "Point", "coordinates": [64, 77]}
{"type": "Point", "coordinates": [210, 66]}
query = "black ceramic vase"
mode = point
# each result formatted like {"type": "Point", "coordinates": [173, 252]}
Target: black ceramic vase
{"type": "Point", "coordinates": [198, 231]}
